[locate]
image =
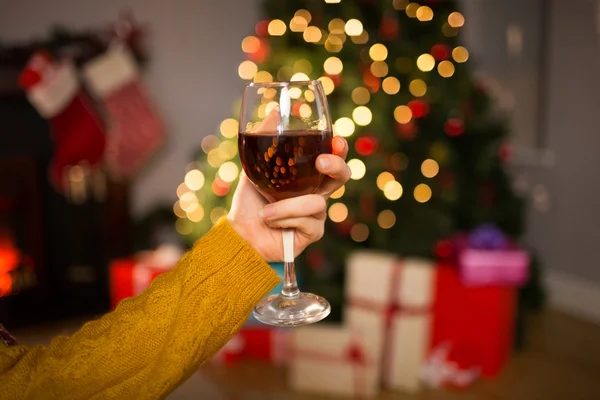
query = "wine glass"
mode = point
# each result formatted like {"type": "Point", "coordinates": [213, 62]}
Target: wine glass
{"type": "Point", "coordinates": [284, 127]}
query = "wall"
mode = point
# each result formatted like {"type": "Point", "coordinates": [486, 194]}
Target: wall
{"type": "Point", "coordinates": [192, 74]}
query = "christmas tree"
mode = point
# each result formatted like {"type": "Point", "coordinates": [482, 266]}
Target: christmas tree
{"type": "Point", "coordinates": [427, 150]}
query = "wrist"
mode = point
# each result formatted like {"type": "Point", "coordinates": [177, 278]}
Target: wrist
{"type": "Point", "coordinates": [245, 232]}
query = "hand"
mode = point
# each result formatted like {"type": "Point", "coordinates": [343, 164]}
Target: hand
{"type": "Point", "coordinates": [260, 223]}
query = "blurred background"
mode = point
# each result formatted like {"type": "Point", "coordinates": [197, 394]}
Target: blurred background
{"type": "Point", "coordinates": [471, 127]}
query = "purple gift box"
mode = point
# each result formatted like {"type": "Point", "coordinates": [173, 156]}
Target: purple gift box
{"type": "Point", "coordinates": [486, 257]}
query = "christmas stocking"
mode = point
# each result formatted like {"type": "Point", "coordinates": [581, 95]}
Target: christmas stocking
{"type": "Point", "coordinates": [53, 89]}
{"type": "Point", "coordinates": [135, 129]}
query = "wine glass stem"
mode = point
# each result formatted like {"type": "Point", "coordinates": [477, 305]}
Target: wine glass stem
{"type": "Point", "coordinates": [290, 286]}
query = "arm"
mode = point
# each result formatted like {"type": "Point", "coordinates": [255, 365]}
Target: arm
{"type": "Point", "coordinates": [154, 341]}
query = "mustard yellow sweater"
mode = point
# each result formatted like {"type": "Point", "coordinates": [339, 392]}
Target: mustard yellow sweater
{"type": "Point", "coordinates": [153, 342]}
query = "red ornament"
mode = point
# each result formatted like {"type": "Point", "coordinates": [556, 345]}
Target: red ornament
{"type": "Point", "coordinates": [440, 52]}
{"type": "Point", "coordinates": [454, 127]}
{"type": "Point", "coordinates": [220, 187]}
{"type": "Point", "coordinates": [389, 28]}
{"type": "Point", "coordinates": [371, 81]}
{"type": "Point", "coordinates": [419, 108]}
{"type": "Point", "coordinates": [262, 28]}
{"type": "Point", "coordinates": [407, 131]}
{"type": "Point", "coordinates": [444, 249]}
{"type": "Point", "coordinates": [505, 152]}
{"type": "Point", "coordinates": [366, 145]}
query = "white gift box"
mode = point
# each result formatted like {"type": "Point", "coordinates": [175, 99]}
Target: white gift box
{"type": "Point", "coordinates": [331, 361]}
{"type": "Point", "coordinates": [388, 303]}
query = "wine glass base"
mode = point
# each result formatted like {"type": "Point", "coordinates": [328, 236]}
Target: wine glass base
{"type": "Point", "coordinates": [304, 309]}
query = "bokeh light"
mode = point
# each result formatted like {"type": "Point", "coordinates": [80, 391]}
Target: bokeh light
{"type": "Point", "coordinates": [333, 44]}
{"type": "Point", "coordinates": [338, 212]}
{"type": "Point", "coordinates": [446, 69]}
{"type": "Point", "coordinates": [358, 169]}
{"type": "Point", "coordinates": [227, 150]}
{"type": "Point", "coordinates": [425, 62]}
{"type": "Point", "coordinates": [196, 215]}
{"type": "Point", "coordinates": [312, 34]}
{"type": "Point", "coordinates": [247, 70]}
{"type": "Point", "coordinates": [217, 213]}
{"type": "Point", "coordinates": [178, 211]}
{"type": "Point", "coordinates": [263, 77]}
{"type": "Point", "coordinates": [336, 25]}
{"type": "Point", "coordinates": [333, 66]}
{"type": "Point", "coordinates": [362, 115]}
{"type": "Point", "coordinates": [295, 92]}
{"type": "Point", "coordinates": [393, 190]}
{"type": "Point", "coordinates": [250, 44]}
{"type": "Point", "coordinates": [209, 142]}
{"type": "Point", "coordinates": [194, 179]}
{"type": "Point", "coordinates": [184, 226]}
{"type": "Point", "coordinates": [338, 193]}
{"type": "Point", "coordinates": [229, 171]}
{"type": "Point", "coordinates": [285, 73]}
{"type": "Point", "coordinates": [424, 13]}
{"type": "Point", "coordinates": [391, 85]}
{"type": "Point", "coordinates": [400, 4]}
{"type": "Point", "coordinates": [298, 24]}
{"type": "Point", "coordinates": [188, 201]}
{"type": "Point", "coordinates": [460, 54]}
{"type": "Point", "coordinates": [353, 27]}
{"type": "Point", "coordinates": [276, 27]}
{"type": "Point", "coordinates": [303, 65]}
{"type": "Point", "coordinates": [359, 232]}
{"type": "Point", "coordinates": [181, 189]}
{"type": "Point", "coordinates": [229, 128]}
{"type": "Point", "coordinates": [386, 219]}
{"type": "Point", "coordinates": [361, 96]}
{"type": "Point", "coordinates": [383, 178]}
{"type": "Point", "coordinates": [422, 193]}
{"type": "Point", "coordinates": [344, 127]}
{"type": "Point", "coordinates": [429, 168]}
{"type": "Point", "coordinates": [403, 114]}
{"type": "Point", "coordinates": [299, 77]}
{"type": "Point", "coordinates": [411, 10]}
{"type": "Point", "coordinates": [327, 84]}
{"type": "Point", "coordinates": [456, 20]}
{"type": "Point", "coordinates": [304, 14]}
{"type": "Point", "coordinates": [399, 161]}
{"type": "Point", "coordinates": [417, 87]}
{"type": "Point", "coordinates": [379, 69]}
{"type": "Point", "coordinates": [309, 95]}
{"type": "Point", "coordinates": [305, 111]}
{"type": "Point", "coordinates": [378, 52]}
{"type": "Point", "coordinates": [360, 39]}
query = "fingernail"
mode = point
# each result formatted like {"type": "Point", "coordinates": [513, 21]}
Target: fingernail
{"type": "Point", "coordinates": [267, 212]}
{"type": "Point", "coordinates": [324, 163]}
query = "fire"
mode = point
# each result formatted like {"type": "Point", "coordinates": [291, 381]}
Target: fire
{"type": "Point", "coordinates": [9, 259]}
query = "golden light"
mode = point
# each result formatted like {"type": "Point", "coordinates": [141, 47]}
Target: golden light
{"type": "Point", "coordinates": [284, 73]}
{"type": "Point", "coordinates": [229, 128]}
{"type": "Point", "coordinates": [386, 219]}
{"type": "Point", "coordinates": [338, 193]}
{"type": "Point", "coordinates": [298, 24]}
{"type": "Point", "coordinates": [194, 179]}
{"type": "Point", "coordinates": [188, 202]}
{"type": "Point", "coordinates": [425, 62]}
{"type": "Point", "coordinates": [276, 27]}
{"type": "Point", "coordinates": [353, 27]}
{"type": "Point", "coordinates": [184, 226]}
{"type": "Point", "coordinates": [227, 150]}
{"type": "Point", "coordinates": [422, 193]}
{"type": "Point", "coordinates": [360, 39]}
{"type": "Point", "coordinates": [324, 36]}
{"type": "Point", "coordinates": [338, 212]}
{"type": "Point", "coordinates": [430, 168]}
{"type": "Point", "coordinates": [359, 232]}
{"type": "Point", "coordinates": [305, 111]}
{"type": "Point", "coordinates": [303, 65]}
{"type": "Point", "coordinates": [378, 52]}
{"type": "Point", "coordinates": [196, 215]}
{"type": "Point", "coordinates": [336, 25]}
{"type": "Point", "coordinates": [327, 84]}
{"type": "Point", "coordinates": [312, 34]}
{"type": "Point", "coordinates": [181, 189]}
{"type": "Point", "coordinates": [332, 1]}
{"type": "Point", "coordinates": [391, 85]}
{"type": "Point", "coordinates": [270, 106]}
{"type": "Point", "coordinates": [362, 116]}
{"type": "Point", "coordinates": [229, 171]}
{"type": "Point", "coordinates": [456, 20]}
{"type": "Point", "coordinates": [262, 111]}
{"type": "Point", "coordinates": [333, 66]}
{"type": "Point", "coordinates": [449, 31]}
{"type": "Point", "coordinates": [417, 88]}
{"type": "Point", "coordinates": [217, 213]}
{"type": "Point", "coordinates": [269, 93]}
{"type": "Point", "coordinates": [361, 96]}
{"type": "Point", "coordinates": [358, 169]}
{"type": "Point", "coordinates": [400, 4]}
{"type": "Point", "coordinates": [403, 114]}
{"type": "Point", "coordinates": [344, 127]}
{"type": "Point", "coordinates": [177, 210]}
{"type": "Point", "coordinates": [209, 142]}
{"type": "Point", "coordinates": [295, 92]}
{"type": "Point", "coordinates": [411, 10]}
{"type": "Point", "coordinates": [309, 95]}
{"type": "Point", "coordinates": [460, 54]}
{"type": "Point", "coordinates": [383, 178]}
{"type": "Point", "coordinates": [214, 158]}
{"type": "Point", "coordinates": [247, 70]}
{"type": "Point", "coordinates": [424, 13]}
{"type": "Point", "coordinates": [379, 69]}
{"type": "Point", "coordinates": [446, 69]}
{"type": "Point", "coordinates": [333, 44]}
{"type": "Point", "coordinates": [250, 44]}
{"type": "Point", "coordinates": [263, 77]}
{"type": "Point", "coordinates": [304, 14]}
{"type": "Point", "coordinates": [299, 77]}
{"type": "Point", "coordinates": [393, 190]}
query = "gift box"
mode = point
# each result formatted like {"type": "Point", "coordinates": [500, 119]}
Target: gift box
{"type": "Point", "coordinates": [230, 353]}
{"type": "Point", "coordinates": [331, 360]}
{"type": "Point", "coordinates": [487, 257]}
{"type": "Point", "coordinates": [131, 276]}
{"type": "Point", "coordinates": [388, 303]}
{"type": "Point", "coordinates": [264, 343]}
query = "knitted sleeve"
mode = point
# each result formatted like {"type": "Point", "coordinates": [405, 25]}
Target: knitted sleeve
{"type": "Point", "coordinates": [152, 342]}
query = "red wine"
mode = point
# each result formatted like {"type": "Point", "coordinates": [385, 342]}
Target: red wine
{"type": "Point", "coordinates": [283, 165]}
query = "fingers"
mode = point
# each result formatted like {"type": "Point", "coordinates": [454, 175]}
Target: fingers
{"type": "Point", "coordinates": [340, 147]}
{"type": "Point", "coordinates": [310, 227]}
{"type": "Point", "coordinates": [297, 207]}
{"type": "Point", "coordinates": [333, 166]}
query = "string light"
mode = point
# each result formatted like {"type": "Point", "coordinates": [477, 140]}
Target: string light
{"type": "Point", "coordinates": [188, 202]}
{"type": "Point", "coordinates": [177, 210]}
{"type": "Point", "coordinates": [333, 66]}
{"type": "Point", "coordinates": [446, 69]}
{"type": "Point", "coordinates": [228, 172]}
{"type": "Point", "coordinates": [327, 84]}
{"type": "Point", "coordinates": [403, 114]}
{"type": "Point", "coordinates": [263, 77]}
{"type": "Point", "coordinates": [379, 69]}
{"type": "Point", "coordinates": [214, 158]}
{"type": "Point", "coordinates": [336, 25]}
{"type": "Point", "coordinates": [456, 20]}
{"type": "Point", "coordinates": [312, 34]}
{"type": "Point", "coordinates": [304, 14]}
{"type": "Point", "coordinates": [298, 24]}
{"type": "Point", "coordinates": [184, 226]}
{"type": "Point", "coordinates": [285, 73]}
{"type": "Point", "coordinates": [333, 44]}
{"type": "Point", "coordinates": [309, 95]}
{"type": "Point", "coordinates": [217, 213]}
{"type": "Point", "coordinates": [417, 88]}
{"type": "Point", "coordinates": [250, 44]}
{"type": "Point", "coordinates": [269, 93]}
{"type": "Point", "coordinates": [332, 1]}
{"type": "Point", "coordinates": [360, 39]}
{"type": "Point", "coordinates": [425, 62]}
{"type": "Point", "coordinates": [400, 4]}
{"type": "Point", "coordinates": [344, 127]}
{"type": "Point", "coordinates": [422, 193]}
{"type": "Point", "coordinates": [324, 36]}
{"type": "Point", "coordinates": [338, 193]}
{"type": "Point", "coordinates": [361, 96]}
{"type": "Point", "coordinates": [181, 189]}
{"type": "Point", "coordinates": [460, 54]}
{"type": "Point", "coordinates": [393, 190]}
{"type": "Point", "coordinates": [295, 93]}
{"type": "Point", "coordinates": [386, 219]}
{"type": "Point", "coordinates": [196, 215]}
{"type": "Point", "coordinates": [299, 77]}
{"type": "Point", "coordinates": [362, 116]}
{"type": "Point", "coordinates": [353, 27]}
{"type": "Point", "coordinates": [378, 52]}
{"type": "Point", "coordinates": [194, 179]}
{"type": "Point", "coordinates": [229, 128]}
{"type": "Point", "coordinates": [391, 85]}
{"type": "Point", "coordinates": [305, 111]}
{"type": "Point", "coordinates": [357, 169]}
{"type": "Point", "coordinates": [338, 212]}
{"type": "Point", "coordinates": [424, 13]}
{"type": "Point", "coordinates": [209, 142]}
{"type": "Point", "coordinates": [276, 27]}
{"type": "Point", "coordinates": [430, 168]}
{"type": "Point", "coordinates": [359, 232]}
{"type": "Point", "coordinates": [227, 150]}
{"type": "Point", "coordinates": [384, 178]}
{"type": "Point", "coordinates": [247, 70]}
{"type": "Point", "coordinates": [411, 10]}
{"type": "Point", "coordinates": [303, 65]}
